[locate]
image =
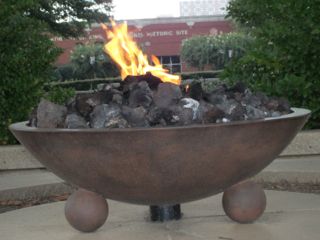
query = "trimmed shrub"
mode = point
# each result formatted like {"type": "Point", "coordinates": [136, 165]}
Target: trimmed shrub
{"type": "Point", "coordinates": [63, 73]}
{"type": "Point", "coordinates": [214, 51]}
{"type": "Point", "coordinates": [90, 61]}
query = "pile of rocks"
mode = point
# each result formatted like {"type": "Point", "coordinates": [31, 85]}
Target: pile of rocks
{"type": "Point", "coordinates": [145, 101]}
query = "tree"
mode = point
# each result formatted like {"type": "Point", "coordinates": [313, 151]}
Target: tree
{"type": "Point", "coordinates": [27, 53]}
{"type": "Point", "coordinates": [285, 59]}
{"type": "Point", "coordinates": [69, 18]}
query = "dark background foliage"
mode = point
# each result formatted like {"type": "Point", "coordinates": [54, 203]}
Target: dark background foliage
{"type": "Point", "coordinates": [285, 58]}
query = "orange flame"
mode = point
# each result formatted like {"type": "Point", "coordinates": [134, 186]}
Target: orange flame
{"type": "Point", "coordinates": [130, 59]}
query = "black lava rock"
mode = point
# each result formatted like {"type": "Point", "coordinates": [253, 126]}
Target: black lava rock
{"type": "Point", "coordinates": [145, 101]}
{"type": "Point", "coordinates": [74, 121]}
{"type": "Point", "coordinates": [50, 115]}
{"type": "Point", "coordinates": [140, 95]}
{"type": "Point", "coordinates": [136, 117]}
{"type": "Point", "coordinates": [166, 95]}
{"type": "Point", "coordinates": [103, 114]}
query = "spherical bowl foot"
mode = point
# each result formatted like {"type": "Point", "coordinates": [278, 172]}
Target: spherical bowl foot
{"type": "Point", "coordinates": [244, 202]}
{"type": "Point", "coordinates": [86, 211]}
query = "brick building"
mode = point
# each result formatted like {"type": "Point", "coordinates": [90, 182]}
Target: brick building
{"type": "Point", "coordinates": [161, 37]}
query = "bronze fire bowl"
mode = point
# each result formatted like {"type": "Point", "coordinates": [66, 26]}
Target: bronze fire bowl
{"type": "Point", "coordinates": [157, 166]}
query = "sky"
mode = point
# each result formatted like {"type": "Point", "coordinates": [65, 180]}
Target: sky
{"type": "Point", "coordinates": [137, 9]}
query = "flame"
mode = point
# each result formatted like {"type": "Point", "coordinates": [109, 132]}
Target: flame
{"type": "Point", "coordinates": [130, 59]}
{"type": "Point", "coordinates": [187, 87]}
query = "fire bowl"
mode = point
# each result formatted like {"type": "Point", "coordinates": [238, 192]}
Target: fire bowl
{"type": "Point", "coordinates": [159, 166]}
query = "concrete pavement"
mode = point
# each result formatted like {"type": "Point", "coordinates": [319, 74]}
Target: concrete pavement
{"type": "Point", "coordinates": [300, 169]}
{"type": "Point", "coordinates": [293, 216]}
{"type": "Point", "coordinates": [30, 184]}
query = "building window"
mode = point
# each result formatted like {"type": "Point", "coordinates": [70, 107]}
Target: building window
{"type": "Point", "coordinates": [172, 63]}
{"type": "Point", "coordinates": [99, 42]}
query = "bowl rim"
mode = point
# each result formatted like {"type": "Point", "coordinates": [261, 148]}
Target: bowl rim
{"type": "Point", "coordinates": [296, 113]}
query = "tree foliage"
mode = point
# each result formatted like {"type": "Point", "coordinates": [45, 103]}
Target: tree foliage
{"type": "Point", "coordinates": [214, 51]}
{"type": "Point", "coordinates": [27, 53]}
{"type": "Point", "coordinates": [25, 61]}
{"type": "Point", "coordinates": [285, 59]}
{"type": "Point", "coordinates": [69, 18]}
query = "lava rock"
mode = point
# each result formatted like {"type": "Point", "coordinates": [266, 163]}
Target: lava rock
{"type": "Point", "coordinates": [196, 92]}
{"type": "Point", "coordinates": [184, 115]}
{"type": "Point", "coordinates": [152, 81]}
{"type": "Point", "coordinates": [220, 89]}
{"type": "Point", "coordinates": [189, 103]}
{"type": "Point", "coordinates": [171, 115]}
{"type": "Point", "coordinates": [239, 87]}
{"type": "Point", "coordinates": [272, 104]}
{"type": "Point", "coordinates": [233, 110]}
{"type": "Point", "coordinates": [137, 103]}
{"type": "Point", "coordinates": [71, 105]}
{"type": "Point", "coordinates": [136, 117]}
{"type": "Point", "coordinates": [216, 98]}
{"type": "Point", "coordinates": [237, 113]}
{"type": "Point", "coordinates": [117, 98]}
{"type": "Point", "coordinates": [209, 113]}
{"type": "Point", "coordinates": [264, 98]}
{"type": "Point", "coordinates": [140, 95]}
{"type": "Point", "coordinates": [74, 121]}
{"type": "Point", "coordinates": [178, 115]}
{"type": "Point", "coordinates": [33, 118]}
{"type": "Point", "coordinates": [254, 113]}
{"type": "Point", "coordinates": [278, 104]}
{"type": "Point", "coordinates": [275, 114]}
{"type": "Point", "coordinates": [85, 102]}
{"type": "Point", "coordinates": [252, 100]}
{"type": "Point", "coordinates": [238, 97]}
{"type": "Point", "coordinates": [284, 106]}
{"type": "Point", "coordinates": [117, 122]}
{"type": "Point", "coordinates": [83, 105]}
{"type": "Point", "coordinates": [50, 115]}
{"type": "Point", "coordinates": [168, 94]}
{"type": "Point", "coordinates": [155, 116]}
{"type": "Point", "coordinates": [103, 114]}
